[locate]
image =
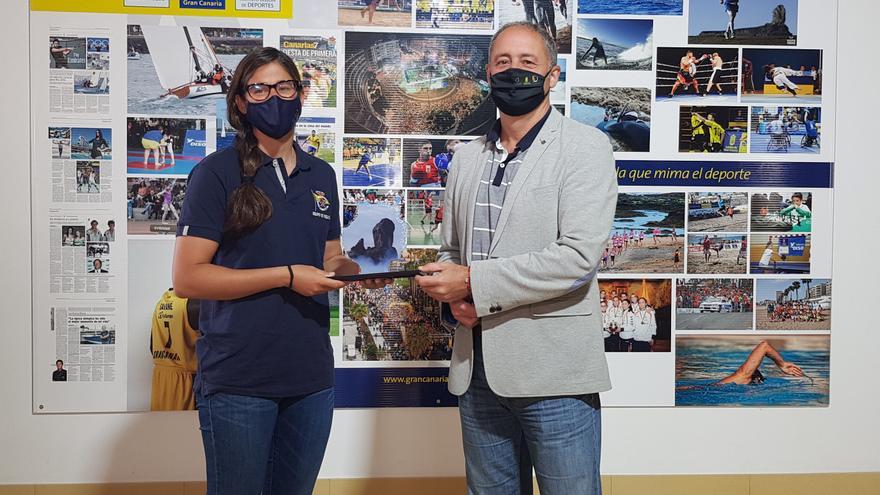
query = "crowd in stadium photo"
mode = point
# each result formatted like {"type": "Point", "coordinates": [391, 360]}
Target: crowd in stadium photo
{"type": "Point", "coordinates": [159, 199]}
{"type": "Point", "coordinates": [737, 292]}
{"type": "Point", "coordinates": [401, 321]}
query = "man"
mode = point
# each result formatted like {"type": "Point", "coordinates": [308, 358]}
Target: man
{"type": "Point", "coordinates": [59, 54]}
{"type": "Point", "coordinates": [423, 171]}
{"type": "Point", "coordinates": [442, 159]}
{"type": "Point", "coordinates": [110, 233]}
{"type": "Point", "coordinates": [600, 52]}
{"type": "Point", "coordinates": [776, 128]}
{"type": "Point", "coordinates": [687, 71]}
{"type": "Point", "coordinates": [748, 84]}
{"type": "Point", "coordinates": [94, 234]}
{"type": "Point", "coordinates": [707, 246]}
{"type": "Point", "coordinates": [799, 213]}
{"type": "Point", "coordinates": [777, 131]}
{"type": "Point", "coordinates": [438, 219]}
{"type": "Point", "coordinates": [732, 8]}
{"type": "Point", "coordinates": [364, 163]}
{"type": "Point", "coordinates": [810, 128]}
{"type": "Point", "coordinates": [716, 134]}
{"type": "Point", "coordinates": [699, 133]}
{"type": "Point", "coordinates": [779, 76]}
{"type": "Point", "coordinates": [97, 267]}
{"type": "Point", "coordinates": [313, 143]}
{"type": "Point", "coordinates": [715, 78]}
{"type": "Point", "coordinates": [716, 131]}
{"type": "Point", "coordinates": [321, 78]}
{"type": "Point", "coordinates": [528, 209]}
{"type": "Point", "coordinates": [217, 75]}
{"type": "Point", "coordinates": [60, 374]}
{"type": "Point", "coordinates": [750, 372]}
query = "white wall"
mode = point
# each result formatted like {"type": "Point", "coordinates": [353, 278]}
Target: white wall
{"type": "Point", "coordinates": [426, 442]}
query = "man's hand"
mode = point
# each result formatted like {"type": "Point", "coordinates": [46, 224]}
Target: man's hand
{"type": "Point", "coordinates": [447, 282]}
{"type": "Point", "coordinates": [791, 369]}
{"type": "Point", "coordinates": [465, 313]}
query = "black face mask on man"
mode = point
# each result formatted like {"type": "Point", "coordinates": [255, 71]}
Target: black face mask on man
{"type": "Point", "coordinates": [518, 91]}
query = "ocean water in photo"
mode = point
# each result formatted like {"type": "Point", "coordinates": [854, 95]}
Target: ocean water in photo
{"type": "Point", "coordinates": [145, 91]}
{"type": "Point", "coordinates": [639, 7]}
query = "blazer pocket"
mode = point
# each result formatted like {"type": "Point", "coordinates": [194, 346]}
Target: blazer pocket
{"type": "Point", "coordinates": [567, 305]}
{"type": "Point", "coordinates": [547, 193]}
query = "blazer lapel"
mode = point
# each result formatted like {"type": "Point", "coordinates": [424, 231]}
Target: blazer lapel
{"type": "Point", "coordinates": [545, 137]}
{"type": "Point", "coordinates": [476, 174]}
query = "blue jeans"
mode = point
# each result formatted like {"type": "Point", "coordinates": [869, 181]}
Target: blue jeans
{"type": "Point", "coordinates": [504, 437]}
{"type": "Point", "coordinates": [257, 445]}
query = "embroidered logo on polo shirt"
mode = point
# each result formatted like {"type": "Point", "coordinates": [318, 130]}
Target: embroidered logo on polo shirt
{"type": "Point", "coordinates": [322, 204]}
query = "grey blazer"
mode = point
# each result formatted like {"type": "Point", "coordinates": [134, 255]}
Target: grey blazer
{"type": "Point", "coordinates": [536, 295]}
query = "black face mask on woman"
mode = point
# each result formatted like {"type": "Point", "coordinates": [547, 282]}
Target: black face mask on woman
{"type": "Point", "coordinates": [518, 91]}
{"type": "Point", "coordinates": [274, 117]}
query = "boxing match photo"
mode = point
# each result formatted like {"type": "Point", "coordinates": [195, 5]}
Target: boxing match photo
{"type": "Point", "coordinates": [705, 73]}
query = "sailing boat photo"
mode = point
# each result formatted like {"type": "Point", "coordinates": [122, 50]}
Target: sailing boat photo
{"type": "Point", "coordinates": [183, 69]}
{"type": "Point", "coordinates": [186, 63]}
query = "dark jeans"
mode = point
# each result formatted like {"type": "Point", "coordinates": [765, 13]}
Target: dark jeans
{"type": "Point", "coordinates": [504, 437]}
{"type": "Point", "coordinates": [256, 445]}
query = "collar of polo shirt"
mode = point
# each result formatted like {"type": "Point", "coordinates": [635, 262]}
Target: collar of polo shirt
{"type": "Point", "coordinates": [494, 135]}
{"type": "Point", "coordinates": [302, 161]}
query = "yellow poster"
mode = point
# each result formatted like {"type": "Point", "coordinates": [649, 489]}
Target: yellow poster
{"type": "Point", "coordinates": [280, 9]}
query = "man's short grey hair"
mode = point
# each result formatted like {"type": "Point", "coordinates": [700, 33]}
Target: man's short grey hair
{"type": "Point", "coordinates": [549, 44]}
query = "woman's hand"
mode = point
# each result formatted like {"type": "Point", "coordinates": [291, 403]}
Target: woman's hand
{"type": "Point", "coordinates": [346, 266]}
{"type": "Point", "coordinates": [310, 281]}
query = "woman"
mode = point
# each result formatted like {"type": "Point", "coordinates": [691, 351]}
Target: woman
{"type": "Point", "coordinates": [99, 144]}
{"type": "Point", "coordinates": [259, 227]}
{"type": "Point", "coordinates": [626, 325]}
{"type": "Point", "coordinates": [644, 327]}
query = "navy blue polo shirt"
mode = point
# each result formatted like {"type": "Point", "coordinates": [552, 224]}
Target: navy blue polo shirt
{"type": "Point", "coordinates": [274, 343]}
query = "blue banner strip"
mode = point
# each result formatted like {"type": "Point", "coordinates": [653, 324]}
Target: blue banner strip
{"type": "Point", "coordinates": [393, 387]}
{"type": "Point", "coordinates": [725, 174]}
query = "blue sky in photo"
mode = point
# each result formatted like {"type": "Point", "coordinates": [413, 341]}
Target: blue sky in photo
{"type": "Point", "coordinates": [710, 15]}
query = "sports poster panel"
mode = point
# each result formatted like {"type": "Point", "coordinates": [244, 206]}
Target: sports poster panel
{"type": "Point", "coordinates": [721, 118]}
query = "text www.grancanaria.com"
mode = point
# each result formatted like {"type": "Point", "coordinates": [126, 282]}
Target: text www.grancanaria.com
{"type": "Point", "coordinates": [408, 380]}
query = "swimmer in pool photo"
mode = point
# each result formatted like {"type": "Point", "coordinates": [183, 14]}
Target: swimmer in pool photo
{"type": "Point", "coordinates": [749, 372]}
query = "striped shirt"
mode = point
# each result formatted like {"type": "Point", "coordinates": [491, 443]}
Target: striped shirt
{"type": "Point", "coordinates": [498, 173]}
{"type": "Point", "coordinates": [490, 198]}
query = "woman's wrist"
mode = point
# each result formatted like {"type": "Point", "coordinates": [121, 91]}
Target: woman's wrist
{"type": "Point", "coordinates": [282, 280]}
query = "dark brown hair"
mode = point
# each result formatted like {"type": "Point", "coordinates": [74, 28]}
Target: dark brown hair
{"type": "Point", "coordinates": [249, 206]}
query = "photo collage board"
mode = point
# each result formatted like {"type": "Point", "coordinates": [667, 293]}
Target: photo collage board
{"type": "Point", "coordinates": [721, 119]}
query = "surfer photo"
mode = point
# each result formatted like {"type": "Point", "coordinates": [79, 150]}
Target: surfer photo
{"type": "Point", "coordinates": [615, 44]}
